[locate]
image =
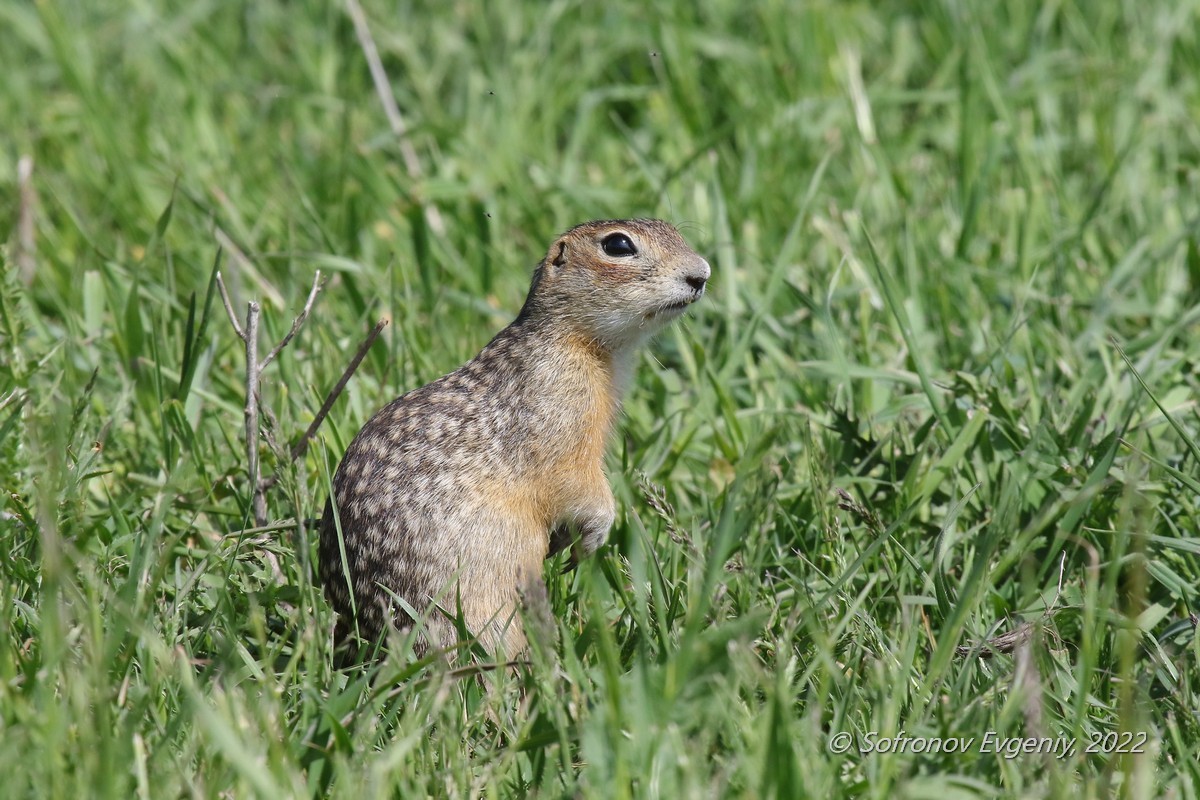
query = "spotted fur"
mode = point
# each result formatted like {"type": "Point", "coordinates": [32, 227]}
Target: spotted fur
{"type": "Point", "coordinates": [449, 496]}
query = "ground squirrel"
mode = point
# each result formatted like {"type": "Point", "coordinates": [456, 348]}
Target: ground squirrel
{"type": "Point", "coordinates": [452, 495]}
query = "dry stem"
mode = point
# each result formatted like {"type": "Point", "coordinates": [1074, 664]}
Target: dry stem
{"type": "Point", "coordinates": [301, 445]}
{"type": "Point", "coordinates": [383, 88]}
{"type": "Point", "coordinates": [254, 405]}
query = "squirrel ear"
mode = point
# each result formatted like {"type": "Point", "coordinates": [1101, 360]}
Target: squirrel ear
{"type": "Point", "coordinates": [561, 258]}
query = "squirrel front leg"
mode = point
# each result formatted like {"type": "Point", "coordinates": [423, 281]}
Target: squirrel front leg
{"type": "Point", "coordinates": [584, 529]}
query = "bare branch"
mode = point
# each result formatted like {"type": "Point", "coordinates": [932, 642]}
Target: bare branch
{"type": "Point", "coordinates": [1062, 566]}
{"type": "Point", "coordinates": [237, 328]}
{"type": "Point", "coordinates": [258, 502]}
{"type": "Point", "coordinates": [254, 404]}
{"type": "Point", "coordinates": [301, 446]}
{"type": "Point", "coordinates": [1020, 637]}
{"type": "Point", "coordinates": [278, 525]}
{"type": "Point", "coordinates": [383, 88]}
{"type": "Point", "coordinates": [296, 323]}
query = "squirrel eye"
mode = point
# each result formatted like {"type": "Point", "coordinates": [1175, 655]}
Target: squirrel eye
{"type": "Point", "coordinates": [618, 245]}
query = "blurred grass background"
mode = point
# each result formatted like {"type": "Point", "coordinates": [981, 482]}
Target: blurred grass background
{"type": "Point", "coordinates": [944, 387]}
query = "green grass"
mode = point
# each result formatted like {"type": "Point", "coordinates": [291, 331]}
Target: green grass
{"type": "Point", "coordinates": [944, 384]}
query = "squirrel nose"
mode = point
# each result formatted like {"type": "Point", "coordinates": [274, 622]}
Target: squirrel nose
{"type": "Point", "coordinates": [699, 277]}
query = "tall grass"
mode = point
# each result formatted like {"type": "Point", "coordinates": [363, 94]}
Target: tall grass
{"type": "Point", "coordinates": [923, 464]}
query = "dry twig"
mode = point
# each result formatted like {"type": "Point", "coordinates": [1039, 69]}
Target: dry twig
{"type": "Point", "coordinates": [301, 445]}
{"type": "Point", "coordinates": [249, 337]}
{"type": "Point", "coordinates": [1020, 636]}
{"type": "Point", "coordinates": [296, 323]}
{"type": "Point", "coordinates": [248, 333]}
{"type": "Point", "coordinates": [383, 88]}
{"type": "Point", "coordinates": [237, 328]}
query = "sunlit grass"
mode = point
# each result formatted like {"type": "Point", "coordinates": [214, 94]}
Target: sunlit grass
{"type": "Point", "coordinates": [943, 390]}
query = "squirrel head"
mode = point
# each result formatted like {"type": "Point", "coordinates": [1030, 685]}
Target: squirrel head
{"type": "Point", "coordinates": [616, 282]}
